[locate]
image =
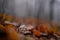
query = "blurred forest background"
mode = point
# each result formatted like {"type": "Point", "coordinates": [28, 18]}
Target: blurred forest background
{"type": "Point", "coordinates": [43, 9]}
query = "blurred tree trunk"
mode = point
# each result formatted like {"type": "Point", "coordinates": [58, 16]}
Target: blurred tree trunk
{"type": "Point", "coordinates": [51, 10]}
{"type": "Point", "coordinates": [1, 1]}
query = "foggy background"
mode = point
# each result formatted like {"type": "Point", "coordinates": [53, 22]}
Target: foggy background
{"type": "Point", "coordinates": [44, 9]}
